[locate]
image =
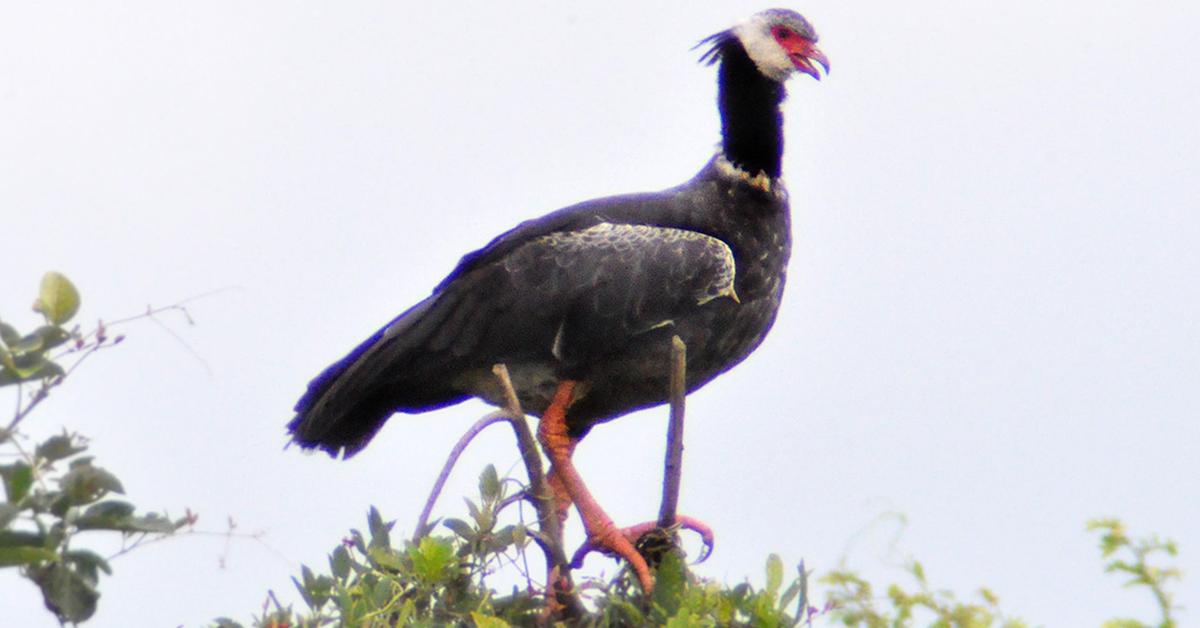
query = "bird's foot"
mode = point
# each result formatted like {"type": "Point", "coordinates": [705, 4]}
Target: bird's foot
{"type": "Point", "coordinates": [648, 540]}
{"type": "Point", "coordinates": [605, 537]}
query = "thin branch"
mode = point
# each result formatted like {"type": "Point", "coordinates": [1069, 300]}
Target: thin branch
{"type": "Point", "coordinates": [37, 397]}
{"type": "Point", "coordinates": [47, 384]}
{"type": "Point", "coordinates": [178, 306]}
{"type": "Point", "coordinates": [673, 466]}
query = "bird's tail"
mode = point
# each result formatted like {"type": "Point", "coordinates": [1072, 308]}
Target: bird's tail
{"type": "Point", "coordinates": [348, 402]}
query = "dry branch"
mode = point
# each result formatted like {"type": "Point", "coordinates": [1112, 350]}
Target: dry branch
{"type": "Point", "coordinates": [673, 467]}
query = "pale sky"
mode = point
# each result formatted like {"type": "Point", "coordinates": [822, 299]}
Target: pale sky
{"type": "Point", "coordinates": [992, 323]}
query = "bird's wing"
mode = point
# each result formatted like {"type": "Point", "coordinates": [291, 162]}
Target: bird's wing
{"type": "Point", "coordinates": [603, 285]}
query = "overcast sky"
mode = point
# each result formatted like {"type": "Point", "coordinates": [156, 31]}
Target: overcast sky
{"type": "Point", "coordinates": [992, 323]}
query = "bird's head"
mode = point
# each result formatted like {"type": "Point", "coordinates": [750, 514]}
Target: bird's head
{"type": "Point", "coordinates": [779, 41]}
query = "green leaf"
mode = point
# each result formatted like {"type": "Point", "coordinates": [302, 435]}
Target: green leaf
{"type": "Point", "coordinates": [382, 594]}
{"type": "Point", "coordinates": [380, 531]}
{"type": "Point", "coordinates": [58, 300]}
{"type": "Point", "coordinates": [52, 336]}
{"type": "Point", "coordinates": [24, 555]}
{"type": "Point", "coordinates": [18, 478]}
{"type": "Point", "coordinates": [339, 562]}
{"type": "Point", "coordinates": [406, 612]}
{"type": "Point", "coordinates": [802, 604]}
{"type": "Point", "coordinates": [1122, 623]}
{"type": "Point", "coordinates": [489, 484]}
{"type": "Point", "coordinates": [153, 523]}
{"type": "Point", "coordinates": [433, 559]}
{"type": "Point", "coordinates": [66, 592]}
{"type": "Point", "coordinates": [385, 557]}
{"type": "Point", "coordinates": [109, 515]}
{"type": "Point", "coordinates": [26, 367]}
{"type": "Point", "coordinates": [28, 344]}
{"type": "Point", "coordinates": [304, 594]}
{"type": "Point", "coordinates": [487, 621]}
{"type": "Point", "coordinates": [683, 619]}
{"type": "Point", "coordinates": [460, 527]}
{"type": "Point", "coordinates": [774, 575]}
{"type": "Point", "coordinates": [482, 516]}
{"type": "Point", "coordinates": [89, 564]}
{"type": "Point", "coordinates": [8, 512]}
{"type": "Point", "coordinates": [918, 572]}
{"type": "Point", "coordinates": [85, 484]}
{"type": "Point", "coordinates": [59, 447]}
{"type": "Point", "coordinates": [790, 594]}
{"type": "Point", "coordinates": [8, 334]}
{"type": "Point", "coordinates": [670, 582]}
{"type": "Point", "coordinates": [502, 538]}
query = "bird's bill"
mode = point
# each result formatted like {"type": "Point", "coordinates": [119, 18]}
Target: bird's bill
{"type": "Point", "coordinates": [803, 55]}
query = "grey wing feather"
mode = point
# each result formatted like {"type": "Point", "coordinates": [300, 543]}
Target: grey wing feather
{"type": "Point", "coordinates": [611, 282]}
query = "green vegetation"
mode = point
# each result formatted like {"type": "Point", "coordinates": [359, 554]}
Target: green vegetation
{"type": "Point", "coordinates": [444, 580]}
{"type": "Point", "coordinates": [1135, 558]}
{"type": "Point", "coordinates": [56, 496]}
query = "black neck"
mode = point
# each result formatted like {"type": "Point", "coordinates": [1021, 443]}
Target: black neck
{"type": "Point", "coordinates": [751, 122]}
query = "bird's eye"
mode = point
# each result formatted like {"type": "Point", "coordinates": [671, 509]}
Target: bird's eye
{"type": "Point", "coordinates": [783, 33]}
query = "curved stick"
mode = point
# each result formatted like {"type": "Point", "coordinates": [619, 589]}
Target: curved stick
{"type": "Point", "coordinates": [480, 425]}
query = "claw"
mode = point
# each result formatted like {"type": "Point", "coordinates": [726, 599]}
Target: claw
{"type": "Point", "coordinates": [639, 536]}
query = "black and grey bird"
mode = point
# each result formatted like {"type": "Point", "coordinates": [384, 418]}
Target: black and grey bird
{"type": "Point", "coordinates": [581, 304]}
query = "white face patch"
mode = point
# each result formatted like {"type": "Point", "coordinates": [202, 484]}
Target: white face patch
{"type": "Point", "coordinates": [768, 56]}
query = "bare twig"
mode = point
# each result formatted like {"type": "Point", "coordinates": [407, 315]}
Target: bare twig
{"type": "Point", "coordinates": [673, 466]}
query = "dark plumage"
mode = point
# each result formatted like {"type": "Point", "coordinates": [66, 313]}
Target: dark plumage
{"type": "Point", "coordinates": [593, 292]}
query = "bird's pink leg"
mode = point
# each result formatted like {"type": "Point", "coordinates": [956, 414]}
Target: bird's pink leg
{"type": "Point", "coordinates": [562, 499]}
{"type": "Point", "coordinates": [602, 534]}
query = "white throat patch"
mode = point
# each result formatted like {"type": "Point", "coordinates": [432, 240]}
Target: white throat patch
{"type": "Point", "coordinates": [768, 56]}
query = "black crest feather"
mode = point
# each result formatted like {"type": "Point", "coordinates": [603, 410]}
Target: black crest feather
{"type": "Point", "coordinates": [716, 46]}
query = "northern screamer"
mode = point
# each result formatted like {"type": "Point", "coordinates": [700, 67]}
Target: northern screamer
{"type": "Point", "coordinates": [581, 304]}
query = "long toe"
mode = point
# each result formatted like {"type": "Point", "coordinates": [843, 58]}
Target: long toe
{"type": "Point", "coordinates": [640, 534]}
{"type": "Point", "coordinates": [614, 542]}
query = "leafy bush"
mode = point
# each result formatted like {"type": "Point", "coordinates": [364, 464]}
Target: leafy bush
{"type": "Point", "coordinates": [55, 495]}
{"type": "Point", "coordinates": [444, 580]}
{"type": "Point", "coordinates": [855, 604]}
{"type": "Point", "coordinates": [1134, 558]}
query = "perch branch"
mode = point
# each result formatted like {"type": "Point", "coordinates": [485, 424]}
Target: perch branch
{"type": "Point", "coordinates": [548, 524]}
{"type": "Point", "coordinates": [673, 466]}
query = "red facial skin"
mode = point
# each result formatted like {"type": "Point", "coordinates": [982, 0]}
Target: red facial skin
{"type": "Point", "coordinates": [803, 52]}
